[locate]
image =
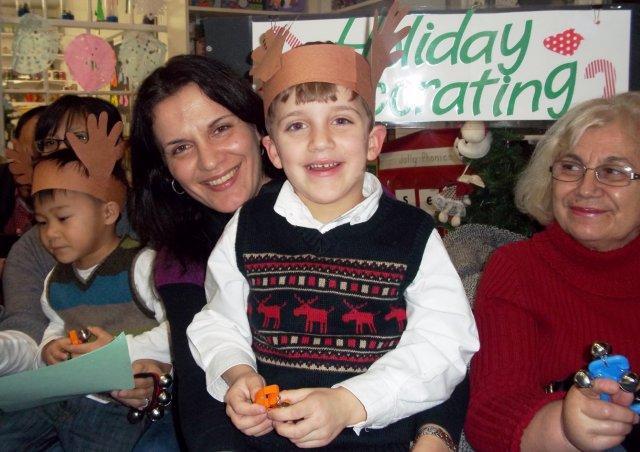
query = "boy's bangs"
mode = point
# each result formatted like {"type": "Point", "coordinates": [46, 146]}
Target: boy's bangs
{"type": "Point", "coordinates": [313, 92]}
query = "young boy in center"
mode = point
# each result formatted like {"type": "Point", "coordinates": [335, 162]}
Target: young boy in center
{"type": "Point", "coordinates": [79, 191]}
{"type": "Point", "coordinates": [342, 296]}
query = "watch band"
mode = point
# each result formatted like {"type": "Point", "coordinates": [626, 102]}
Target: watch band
{"type": "Point", "coordinates": [438, 432]}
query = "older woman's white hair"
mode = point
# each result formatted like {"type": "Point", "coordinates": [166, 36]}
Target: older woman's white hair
{"type": "Point", "coordinates": [533, 190]}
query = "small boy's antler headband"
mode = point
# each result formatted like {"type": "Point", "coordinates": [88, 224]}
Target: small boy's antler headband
{"type": "Point", "coordinates": [20, 163]}
{"type": "Point", "coordinates": [329, 63]}
{"type": "Point", "coordinates": [98, 155]}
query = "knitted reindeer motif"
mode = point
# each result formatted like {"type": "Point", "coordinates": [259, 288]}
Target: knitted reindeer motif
{"type": "Point", "coordinates": [361, 318]}
{"type": "Point", "coordinates": [399, 314]}
{"type": "Point", "coordinates": [313, 315]}
{"type": "Point", "coordinates": [270, 312]}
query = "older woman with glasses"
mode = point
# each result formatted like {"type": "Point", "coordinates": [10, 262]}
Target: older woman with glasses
{"type": "Point", "coordinates": [543, 302]}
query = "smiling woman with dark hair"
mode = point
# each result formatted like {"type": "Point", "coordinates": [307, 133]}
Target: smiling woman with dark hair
{"type": "Point", "coordinates": [196, 158]}
{"type": "Point", "coordinates": [543, 302]}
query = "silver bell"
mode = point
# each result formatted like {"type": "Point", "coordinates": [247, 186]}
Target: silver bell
{"type": "Point", "coordinates": [600, 349]}
{"type": "Point", "coordinates": [165, 381]}
{"type": "Point", "coordinates": [84, 334]}
{"type": "Point", "coordinates": [134, 416]}
{"type": "Point", "coordinates": [629, 381]}
{"type": "Point", "coordinates": [582, 379]}
{"type": "Point", "coordinates": [156, 413]}
{"type": "Point", "coordinates": [164, 398]}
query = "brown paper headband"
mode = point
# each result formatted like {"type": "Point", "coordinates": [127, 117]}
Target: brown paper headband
{"type": "Point", "coordinates": [275, 72]}
{"type": "Point", "coordinates": [93, 174]}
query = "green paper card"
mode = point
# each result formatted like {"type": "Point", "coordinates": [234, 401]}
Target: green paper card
{"type": "Point", "coordinates": [104, 369]}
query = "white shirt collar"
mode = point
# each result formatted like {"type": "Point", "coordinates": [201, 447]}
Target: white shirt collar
{"type": "Point", "coordinates": [291, 207]}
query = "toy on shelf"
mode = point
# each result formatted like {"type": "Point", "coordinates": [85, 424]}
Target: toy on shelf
{"type": "Point", "coordinates": [269, 397]}
{"type": "Point", "coordinates": [112, 11]}
{"type": "Point", "coordinates": [605, 365]}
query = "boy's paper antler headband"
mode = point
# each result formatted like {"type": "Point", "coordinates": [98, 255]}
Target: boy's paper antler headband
{"type": "Point", "coordinates": [329, 63]}
{"type": "Point", "coordinates": [20, 162]}
{"type": "Point", "coordinates": [98, 156]}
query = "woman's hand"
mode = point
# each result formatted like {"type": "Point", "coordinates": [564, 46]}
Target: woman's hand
{"type": "Point", "coordinates": [593, 424]}
{"type": "Point", "coordinates": [140, 396]}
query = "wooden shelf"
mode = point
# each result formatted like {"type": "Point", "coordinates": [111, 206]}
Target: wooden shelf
{"type": "Point", "coordinates": [25, 81]}
{"type": "Point", "coordinates": [94, 25]}
{"type": "Point", "coordinates": [70, 91]}
{"type": "Point", "coordinates": [214, 11]}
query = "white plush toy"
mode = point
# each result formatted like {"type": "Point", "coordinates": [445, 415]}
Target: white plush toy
{"type": "Point", "coordinates": [475, 142]}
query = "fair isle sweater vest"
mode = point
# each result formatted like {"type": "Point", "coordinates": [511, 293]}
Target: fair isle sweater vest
{"type": "Point", "coordinates": [107, 299]}
{"type": "Point", "coordinates": [324, 307]}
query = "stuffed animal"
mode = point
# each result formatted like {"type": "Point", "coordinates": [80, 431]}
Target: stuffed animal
{"type": "Point", "coordinates": [475, 142]}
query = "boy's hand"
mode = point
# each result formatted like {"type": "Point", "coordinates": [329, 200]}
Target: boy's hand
{"type": "Point", "coordinates": [593, 424]}
{"type": "Point", "coordinates": [140, 396]}
{"type": "Point", "coordinates": [56, 351]}
{"type": "Point", "coordinates": [250, 418]}
{"type": "Point", "coordinates": [102, 338]}
{"type": "Point", "coordinates": [321, 414]}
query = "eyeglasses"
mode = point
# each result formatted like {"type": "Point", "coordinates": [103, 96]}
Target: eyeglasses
{"type": "Point", "coordinates": [51, 145]}
{"type": "Point", "coordinates": [608, 174]}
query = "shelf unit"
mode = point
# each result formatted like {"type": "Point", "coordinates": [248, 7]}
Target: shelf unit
{"type": "Point", "coordinates": [24, 92]}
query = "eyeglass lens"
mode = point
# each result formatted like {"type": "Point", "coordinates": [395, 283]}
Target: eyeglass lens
{"type": "Point", "coordinates": [609, 174]}
{"type": "Point", "coordinates": [49, 145]}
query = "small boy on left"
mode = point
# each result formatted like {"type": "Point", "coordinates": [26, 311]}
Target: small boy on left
{"type": "Point", "coordinates": [79, 191]}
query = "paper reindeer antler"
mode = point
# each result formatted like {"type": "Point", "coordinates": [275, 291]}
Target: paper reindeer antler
{"type": "Point", "coordinates": [20, 162]}
{"type": "Point", "coordinates": [384, 38]}
{"type": "Point", "coordinates": [276, 71]}
{"type": "Point", "coordinates": [266, 57]}
{"type": "Point", "coordinates": [99, 155]}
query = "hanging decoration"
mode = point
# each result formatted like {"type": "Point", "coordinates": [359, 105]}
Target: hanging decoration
{"type": "Point", "coordinates": [499, 169]}
{"type": "Point", "coordinates": [139, 54]}
{"type": "Point", "coordinates": [91, 60]}
{"type": "Point", "coordinates": [35, 45]}
{"type": "Point", "coordinates": [149, 8]}
{"type": "Point", "coordinates": [452, 202]}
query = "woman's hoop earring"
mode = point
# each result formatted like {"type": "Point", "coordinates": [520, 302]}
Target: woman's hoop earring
{"type": "Point", "coordinates": [173, 186]}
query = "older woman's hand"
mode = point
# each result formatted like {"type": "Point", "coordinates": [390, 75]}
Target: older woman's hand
{"type": "Point", "coordinates": [139, 396]}
{"type": "Point", "coordinates": [593, 424]}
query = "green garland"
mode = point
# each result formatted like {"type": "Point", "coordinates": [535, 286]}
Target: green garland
{"type": "Point", "coordinates": [499, 169]}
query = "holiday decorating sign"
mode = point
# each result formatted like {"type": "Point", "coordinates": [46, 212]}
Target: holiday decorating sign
{"type": "Point", "coordinates": [528, 65]}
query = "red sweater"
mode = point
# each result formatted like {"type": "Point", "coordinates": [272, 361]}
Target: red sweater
{"type": "Point", "coordinates": [540, 305]}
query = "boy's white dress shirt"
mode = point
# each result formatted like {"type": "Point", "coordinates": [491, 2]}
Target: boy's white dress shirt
{"type": "Point", "coordinates": [421, 372]}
